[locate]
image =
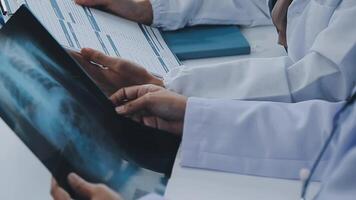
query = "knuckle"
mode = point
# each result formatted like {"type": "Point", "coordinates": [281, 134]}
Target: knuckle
{"type": "Point", "coordinates": [153, 87]}
{"type": "Point", "coordinates": [150, 86]}
{"type": "Point", "coordinates": [113, 95]}
{"type": "Point", "coordinates": [148, 97]}
{"type": "Point", "coordinates": [97, 56]}
{"type": "Point", "coordinates": [117, 65]}
{"type": "Point", "coordinates": [101, 187]}
{"type": "Point", "coordinates": [120, 93]}
{"type": "Point", "coordinates": [79, 186]}
{"type": "Point", "coordinates": [128, 107]}
{"type": "Point", "coordinates": [124, 109]}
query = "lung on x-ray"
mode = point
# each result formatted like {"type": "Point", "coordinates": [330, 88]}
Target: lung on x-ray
{"type": "Point", "coordinates": [68, 123]}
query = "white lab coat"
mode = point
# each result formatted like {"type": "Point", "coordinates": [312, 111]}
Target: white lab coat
{"type": "Point", "coordinates": [321, 62]}
{"type": "Point", "coordinates": [272, 139]}
{"type": "Point", "coordinates": [262, 138]}
{"type": "Point", "coordinates": [174, 14]}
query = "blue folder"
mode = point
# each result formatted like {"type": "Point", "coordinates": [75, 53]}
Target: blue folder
{"type": "Point", "coordinates": [206, 41]}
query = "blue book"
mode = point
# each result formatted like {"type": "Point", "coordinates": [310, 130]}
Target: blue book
{"type": "Point", "coordinates": [206, 41]}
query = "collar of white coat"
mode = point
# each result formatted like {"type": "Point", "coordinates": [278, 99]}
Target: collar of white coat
{"type": "Point", "coordinates": [331, 3]}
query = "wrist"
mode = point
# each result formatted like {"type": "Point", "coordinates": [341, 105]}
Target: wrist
{"type": "Point", "coordinates": [144, 12]}
{"type": "Point", "coordinates": [110, 6]}
{"type": "Point", "coordinates": [140, 11]}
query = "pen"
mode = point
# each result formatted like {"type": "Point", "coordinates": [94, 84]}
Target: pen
{"type": "Point", "coordinates": [3, 7]}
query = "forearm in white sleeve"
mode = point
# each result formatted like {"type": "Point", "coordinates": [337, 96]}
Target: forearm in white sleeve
{"type": "Point", "coordinates": [257, 79]}
{"type": "Point", "coordinates": [270, 79]}
{"type": "Point", "coordinates": [152, 197]}
{"type": "Point", "coordinates": [259, 138]}
{"type": "Point", "coordinates": [174, 14]}
{"type": "Point", "coordinates": [339, 179]}
{"type": "Point", "coordinates": [326, 70]}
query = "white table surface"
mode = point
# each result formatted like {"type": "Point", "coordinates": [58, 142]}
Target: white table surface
{"type": "Point", "coordinates": [22, 176]}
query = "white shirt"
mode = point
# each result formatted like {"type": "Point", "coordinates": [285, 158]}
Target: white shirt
{"type": "Point", "coordinates": [173, 14]}
{"type": "Point", "coordinates": [272, 139]}
{"type": "Point", "coordinates": [320, 63]}
{"type": "Point", "coordinates": [247, 136]}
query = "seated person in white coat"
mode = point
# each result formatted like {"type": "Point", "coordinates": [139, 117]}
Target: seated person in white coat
{"type": "Point", "coordinates": [319, 34]}
{"type": "Point", "coordinates": [260, 138]}
{"type": "Point", "coordinates": [174, 14]}
{"type": "Point", "coordinates": [250, 137]}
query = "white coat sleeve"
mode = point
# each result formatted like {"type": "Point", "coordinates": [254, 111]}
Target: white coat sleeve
{"type": "Point", "coordinates": [152, 197]}
{"type": "Point", "coordinates": [339, 179]}
{"type": "Point", "coordinates": [342, 183]}
{"type": "Point", "coordinates": [174, 14]}
{"type": "Point", "coordinates": [327, 71]}
{"type": "Point", "coordinates": [253, 137]}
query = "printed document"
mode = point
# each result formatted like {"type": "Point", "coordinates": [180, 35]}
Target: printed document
{"type": "Point", "coordinates": [75, 27]}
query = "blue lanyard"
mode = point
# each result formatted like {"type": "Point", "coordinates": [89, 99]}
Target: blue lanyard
{"type": "Point", "coordinates": [336, 118]}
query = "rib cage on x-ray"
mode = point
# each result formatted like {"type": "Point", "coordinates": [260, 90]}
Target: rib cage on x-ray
{"type": "Point", "coordinates": [37, 101]}
{"type": "Point", "coordinates": [49, 107]}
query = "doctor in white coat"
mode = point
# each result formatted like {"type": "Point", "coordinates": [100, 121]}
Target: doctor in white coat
{"type": "Point", "coordinates": [174, 14]}
{"type": "Point", "coordinates": [319, 34]}
{"type": "Point", "coordinates": [265, 138]}
{"type": "Point", "coordinates": [250, 137]}
{"type": "Point", "coordinates": [262, 137]}
{"type": "Point", "coordinates": [321, 38]}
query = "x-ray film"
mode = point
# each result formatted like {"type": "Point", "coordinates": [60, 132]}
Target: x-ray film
{"type": "Point", "coordinates": [68, 123]}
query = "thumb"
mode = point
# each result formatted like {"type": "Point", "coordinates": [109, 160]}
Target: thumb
{"type": "Point", "coordinates": [80, 186]}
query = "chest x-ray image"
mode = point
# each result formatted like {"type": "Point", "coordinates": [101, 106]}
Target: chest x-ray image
{"type": "Point", "coordinates": [60, 114]}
